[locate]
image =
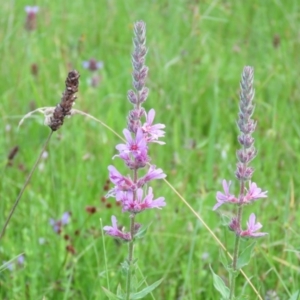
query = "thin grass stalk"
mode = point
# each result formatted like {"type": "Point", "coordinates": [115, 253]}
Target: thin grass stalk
{"type": "Point", "coordinates": [25, 185]}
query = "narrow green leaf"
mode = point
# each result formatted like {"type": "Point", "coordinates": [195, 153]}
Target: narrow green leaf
{"type": "Point", "coordinates": [141, 294]}
{"type": "Point", "coordinates": [245, 256]}
{"type": "Point", "coordinates": [119, 291]}
{"type": "Point", "coordinates": [224, 259]}
{"type": "Point", "coordinates": [111, 295]}
{"type": "Point", "coordinates": [220, 285]}
{"type": "Point", "coordinates": [295, 296]}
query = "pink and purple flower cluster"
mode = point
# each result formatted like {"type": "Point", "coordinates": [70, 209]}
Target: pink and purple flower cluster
{"type": "Point", "coordinates": [132, 191]}
{"type": "Point", "coordinates": [245, 155]}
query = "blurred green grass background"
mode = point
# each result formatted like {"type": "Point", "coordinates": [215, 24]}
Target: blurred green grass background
{"type": "Point", "coordinates": [197, 50]}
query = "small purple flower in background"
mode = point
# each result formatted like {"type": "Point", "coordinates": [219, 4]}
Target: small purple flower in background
{"type": "Point", "coordinates": [93, 65]}
{"type": "Point", "coordinates": [21, 260]}
{"type": "Point", "coordinates": [57, 225]}
{"type": "Point", "coordinates": [30, 23]}
{"type": "Point", "coordinates": [252, 227]}
{"type": "Point", "coordinates": [16, 263]}
{"type": "Point", "coordinates": [114, 230]}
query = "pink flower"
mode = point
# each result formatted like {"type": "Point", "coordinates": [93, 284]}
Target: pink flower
{"type": "Point", "coordinates": [121, 182]}
{"type": "Point", "coordinates": [114, 230]}
{"type": "Point", "coordinates": [137, 162]}
{"type": "Point", "coordinates": [254, 193]}
{"type": "Point", "coordinates": [252, 227]}
{"type": "Point", "coordinates": [153, 132]}
{"type": "Point", "coordinates": [136, 203]}
{"type": "Point", "coordinates": [152, 174]}
{"type": "Point", "coordinates": [226, 197]}
{"type": "Point", "coordinates": [134, 146]}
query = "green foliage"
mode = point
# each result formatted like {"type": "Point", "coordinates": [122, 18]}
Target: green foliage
{"type": "Point", "coordinates": [142, 232]}
{"type": "Point", "coordinates": [245, 256]}
{"type": "Point", "coordinates": [220, 286]}
{"type": "Point", "coordinates": [197, 50]}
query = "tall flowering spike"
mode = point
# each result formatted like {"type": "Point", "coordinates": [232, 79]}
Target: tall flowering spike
{"type": "Point", "coordinates": [63, 109]}
{"type": "Point", "coordinates": [132, 192]}
{"type": "Point", "coordinates": [128, 190]}
{"type": "Point", "coordinates": [246, 126]}
{"type": "Point", "coordinates": [139, 76]}
{"type": "Point", "coordinates": [245, 155]}
{"type": "Point", "coordinates": [244, 173]}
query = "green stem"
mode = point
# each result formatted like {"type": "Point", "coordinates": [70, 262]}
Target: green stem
{"type": "Point", "coordinates": [24, 186]}
{"type": "Point", "coordinates": [130, 257]}
{"type": "Point", "coordinates": [237, 241]}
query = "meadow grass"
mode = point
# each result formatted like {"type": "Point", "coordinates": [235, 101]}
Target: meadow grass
{"type": "Point", "coordinates": [196, 54]}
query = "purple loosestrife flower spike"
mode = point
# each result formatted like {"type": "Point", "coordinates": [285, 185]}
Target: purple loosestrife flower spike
{"type": "Point", "coordinates": [131, 191]}
{"type": "Point", "coordinates": [244, 173]}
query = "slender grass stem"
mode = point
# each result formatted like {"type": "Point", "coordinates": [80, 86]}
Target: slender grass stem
{"type": "Point", "coordinates": [24, 186]}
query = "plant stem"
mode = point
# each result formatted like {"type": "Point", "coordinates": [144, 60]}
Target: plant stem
{"type": "Point", "coordinates": [237, 238]}
{"type": "Point", "coordinates": [24, 186]}
{"type": "Point", "coordinates": [130, 257]}
{"type": "Point", "coordinates": [234, 263]}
